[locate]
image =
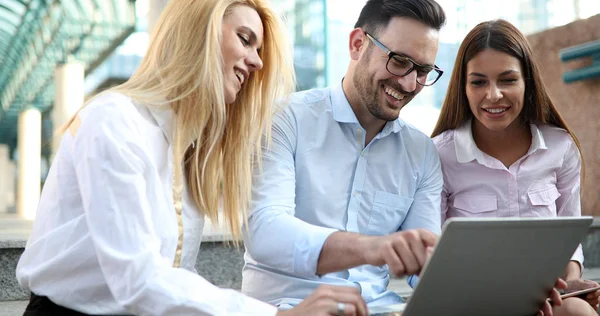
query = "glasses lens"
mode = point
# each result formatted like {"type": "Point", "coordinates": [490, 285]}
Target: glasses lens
{"type": "Point", "coordinates": [428, 79]}
{"type": "Point", "coordinates": [399, 66]}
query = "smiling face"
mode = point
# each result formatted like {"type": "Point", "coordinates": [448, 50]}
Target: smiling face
{"type": "Point", "coordinates": [241, 41]}
{"type": "Point", "coordinates": [379, 92]}
{"type": "Point", "coordinates": [495, 89]}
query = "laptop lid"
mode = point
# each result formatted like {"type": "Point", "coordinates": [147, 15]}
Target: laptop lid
{"type": "Point", "coordinates": [495, 266]}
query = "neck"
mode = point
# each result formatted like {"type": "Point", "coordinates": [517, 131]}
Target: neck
{"type": "Point", "coordinates": [516, 138]}
{"type": "Point", "coordinates": [371, 124]}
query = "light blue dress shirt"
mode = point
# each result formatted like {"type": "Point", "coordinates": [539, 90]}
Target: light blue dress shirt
{"type": "Point", "coordinates": [317, 177]}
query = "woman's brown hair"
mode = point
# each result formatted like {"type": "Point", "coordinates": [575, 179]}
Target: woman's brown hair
{"type": "Point", "coordinates": [504, 37]}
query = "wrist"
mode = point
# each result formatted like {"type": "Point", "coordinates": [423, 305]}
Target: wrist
{"type": "Point", "coordinates": [573, 271]}
{"type": "Point", "coordinates": [365, 248]}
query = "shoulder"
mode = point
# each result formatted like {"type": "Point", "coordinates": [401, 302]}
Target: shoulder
{"type": "Point", "coordinates": [109, 106]}
{"type": "Point", "coordinates": [555, 137]}
{"type": "Point", "coordinates": [444, 143]}
{"type": "Point", "coordinates": [305, 104]}
{"type": "Point", "coordinates": [410, 132]}
{"type": "Point", "coordinates": [420, 145]}
{"type": "Point", "coordinates": [112, 115]}
{"type": "Point", "coordinates": [444, 140]}
{"type": "Point", "coordinates": [310, 97]}
{"type": "Point", "coordinates": [554, 132]}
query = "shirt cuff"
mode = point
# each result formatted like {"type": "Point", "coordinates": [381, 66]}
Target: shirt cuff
{"type": "Point", "coordinates": [578, 257]}
{"type": "Point", "coordinates": [308, 249]}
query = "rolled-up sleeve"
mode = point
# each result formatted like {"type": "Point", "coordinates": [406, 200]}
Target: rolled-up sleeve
{"type": "Point", "coordinates": [568, 183]}
{"type": "Point", "coordinates": [114, 173]}
{"type": "Point", "coordinates": [274, 236]}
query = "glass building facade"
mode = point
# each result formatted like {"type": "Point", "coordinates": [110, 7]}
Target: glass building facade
{"type": "Point", "coordinates": [319, 31]}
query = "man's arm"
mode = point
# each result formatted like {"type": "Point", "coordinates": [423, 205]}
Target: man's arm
{"type": "Point", "coordinates": [425, 211]}
{"type": "Point", "coordinates": [404, 252]}
{"type": "Point", "coordinates": [274, 236]}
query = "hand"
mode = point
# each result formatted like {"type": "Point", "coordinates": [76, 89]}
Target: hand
{"type": "Point", "coordinates": [404, 252]}
{"type": "Point", "coordinates": [580, 284]}
{"type": "Point", "coordinates": [554, 296]}
{"type": "Point", "coordinates": [326, 300]}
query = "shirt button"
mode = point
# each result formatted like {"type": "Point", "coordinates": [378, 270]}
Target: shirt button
{"type": "Point", "coordinates": [355, 194]}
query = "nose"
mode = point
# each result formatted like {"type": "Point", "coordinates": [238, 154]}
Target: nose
{"type": "Point", "coordinates": [494, 94]}
{"type": "Point", "coordinates": [409, 82]}
{"type": "Point", "coordinates": [253, 61]}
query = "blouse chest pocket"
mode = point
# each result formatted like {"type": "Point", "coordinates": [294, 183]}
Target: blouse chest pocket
{"type": "Point", "coordinates": [542, 201]}
{"type": "Point", "coordinates": [389, 211]}
{"type": "Point", "coordinates": [466, 205]}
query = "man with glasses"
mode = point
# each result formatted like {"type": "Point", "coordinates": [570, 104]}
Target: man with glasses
{"type": "Point", "coordinates": [347, 193]}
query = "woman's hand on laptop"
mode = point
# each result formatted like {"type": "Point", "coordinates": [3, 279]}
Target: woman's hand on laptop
{"type": "Point", "coordinates": [404, 252]}
{"type": "Point", "coordinates": [554, 297]}
{"type": "Point", "coordinates": [329, 300]}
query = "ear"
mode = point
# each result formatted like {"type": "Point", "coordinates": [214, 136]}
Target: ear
{"type": "Point", "coordinates": [357, 42]}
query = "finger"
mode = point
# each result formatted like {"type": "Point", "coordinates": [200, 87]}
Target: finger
{"type": "Point", "coordinates": [555, 297]}
{"type": "Point", "coordinates": [418, 249]}
{"type": "Point", "coordinates": [393, 261]}
{"type": "Point", "coordinates": [429, 239]}
{"type": "Point", "coordinates": [593, 295]}
{"type": "Point", "coordinates": [411, 265]}
{"type": "Point", "coordinates": [547, 309]}
{"type": "Point", "coordinates": [560, 284]}
{"type": "Point", "coordinates": [353, 303]}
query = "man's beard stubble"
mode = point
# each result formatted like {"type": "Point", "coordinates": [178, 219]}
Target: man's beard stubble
{"type": "Point", "coordinates": [363, 81]}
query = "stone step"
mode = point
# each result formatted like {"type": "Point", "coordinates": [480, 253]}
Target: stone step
{"type": "Point", "coordinates": [218, 262]}
{"type": "Point", "coordinates": [12, 308]}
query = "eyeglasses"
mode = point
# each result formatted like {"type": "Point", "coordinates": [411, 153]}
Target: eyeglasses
{"type": "Point", "coordinates": [401, 66]}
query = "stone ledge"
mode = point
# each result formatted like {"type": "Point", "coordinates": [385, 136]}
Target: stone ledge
{"type": "Point", "coordinates": [221, 263]}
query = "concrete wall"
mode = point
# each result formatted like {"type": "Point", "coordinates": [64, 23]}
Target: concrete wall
{"type": "Point", "coordinates": [579, 102]}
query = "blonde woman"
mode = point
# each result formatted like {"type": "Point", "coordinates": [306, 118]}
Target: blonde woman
{"type": "Point", "coordinates": [120, 220]}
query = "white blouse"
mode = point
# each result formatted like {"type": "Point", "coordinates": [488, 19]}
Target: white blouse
{"type": "Point", "coordinates": [106, 233]}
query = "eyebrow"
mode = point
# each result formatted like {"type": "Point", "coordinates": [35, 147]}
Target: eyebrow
{"type": "Point", "coordinates": [408, 56]}
{"type": "Point", "coordinates": [253, 37]}
{"type": "Point", "coordinates": [508, 72]}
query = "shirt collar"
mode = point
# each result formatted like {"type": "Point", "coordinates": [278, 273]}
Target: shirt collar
{"type": "Point", "coordinates": [343, 113]}
{"type": "Point", "coordinates": [464, 145]}
{"type": "Point", "coordinates": [537, 139]}
{"type": "Point", "coordinates": [467, 151]}
{"type": "Point", "coordinates": [164, 117]}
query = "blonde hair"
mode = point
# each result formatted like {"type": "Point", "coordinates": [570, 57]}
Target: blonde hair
{"type": "Point", "coordinates": [218, 143]}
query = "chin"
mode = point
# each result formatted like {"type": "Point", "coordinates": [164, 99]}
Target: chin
{"type": "Point", "coordinates": [495, 126]}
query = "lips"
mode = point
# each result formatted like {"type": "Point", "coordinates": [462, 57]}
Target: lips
{"type": "Point", "coordinates": [495, 110]}
{"type": "Point", "coordinates": [393, 93]}
{"type": "Point", "coordinates": [241, 75]}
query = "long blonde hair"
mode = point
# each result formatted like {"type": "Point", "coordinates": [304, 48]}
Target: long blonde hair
{"type": "Point", "coordinates": [218, 143]}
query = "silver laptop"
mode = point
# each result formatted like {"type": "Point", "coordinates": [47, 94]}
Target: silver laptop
{"type": "Point", "coordinates": [493, 266]}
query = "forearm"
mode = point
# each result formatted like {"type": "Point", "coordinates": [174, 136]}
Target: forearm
{"type": "Point", "coordinates": [281, 241]}
{"type": "Point", "coordinates": [573, 271]}
{"type": "Point", "coordinates": [342, 251]}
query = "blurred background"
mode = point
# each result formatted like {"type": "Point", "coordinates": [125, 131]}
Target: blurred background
{"type": "Point", "coordinates": [56, 53]}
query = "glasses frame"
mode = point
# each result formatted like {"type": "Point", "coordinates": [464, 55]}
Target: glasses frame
{"type": "Point", "coordinates": [397, 56]}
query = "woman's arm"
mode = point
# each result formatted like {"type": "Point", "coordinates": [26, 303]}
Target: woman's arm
{"type": "Point", "coordinates": [115, 177]}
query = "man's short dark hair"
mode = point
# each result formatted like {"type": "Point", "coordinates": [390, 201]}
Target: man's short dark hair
{"type": "Point", "coordinates": [376, 14]}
